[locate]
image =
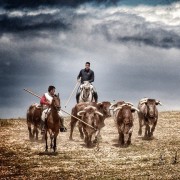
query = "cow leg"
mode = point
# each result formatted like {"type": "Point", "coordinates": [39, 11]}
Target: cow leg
{"type": "Point", "coordinates": [147, 131]}
{"type": "Point", "coordinates": [86, 136]}
{"type": "Point", "coordinates": [89, 143]}
{"type": "Point", "coordinates": [152, 129]}
{"type": "Point", "coordinates": [80, 130]}
{"type": "Point", "coordinates": [129, 139]}
{"type": "Point", "coordinates": [121, 139]}
{"type": "Point", "coordinates": [140, 127]}
{"type": "Point", "coordinates": [97, 136]}
{"type": "Point", "coordinates": [72, 125]}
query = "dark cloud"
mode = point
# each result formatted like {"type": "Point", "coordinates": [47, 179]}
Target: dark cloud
{"type": "Point", "coordinates": [32, 23]}
{"type": "Point", "coordinates": [8, 4]}
{"type": "Point", "coordinates": [132, 29]}
{"type": "Point", "coordinates": [167, 41]}
{"type": "Point", "coordinates": [18, 4]}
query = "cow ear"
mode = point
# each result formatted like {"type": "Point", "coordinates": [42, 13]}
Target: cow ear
{"type": "Point", "coordinates": [133, 110]}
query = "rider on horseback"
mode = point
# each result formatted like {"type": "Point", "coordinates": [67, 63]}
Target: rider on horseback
{"type": "Point", "coordinates": [46, 101]}
{"type": "Point", "coordinates": [86, 75]}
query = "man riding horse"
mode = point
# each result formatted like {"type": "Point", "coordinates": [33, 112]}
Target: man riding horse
{"type": "Point", "coordinates": [46, 101]}
{"type": "Point", "coordinates": [86, 76]}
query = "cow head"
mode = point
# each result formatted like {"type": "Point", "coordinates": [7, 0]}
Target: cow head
{"type": "Point", "coordinates": [150, 110]}
{"type": "Point", "coordinates": [103, 107]}
{"type": "Point", "coordinates": [125, 117]}
{"type": "Point", "coordinates": [90, 115]}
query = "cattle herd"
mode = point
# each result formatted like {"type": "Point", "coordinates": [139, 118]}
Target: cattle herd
{"type": "Point", "coordinates": [90, 117]}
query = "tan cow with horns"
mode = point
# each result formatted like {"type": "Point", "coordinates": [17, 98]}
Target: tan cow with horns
{"type": "Point", "coordinates": [148, 116]}
{"type": "Point", "coordinates": [91, 116]}
{"type": "Point", "coordinates": [124, 121]}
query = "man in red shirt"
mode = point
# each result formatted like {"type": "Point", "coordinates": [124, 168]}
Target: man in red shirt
{"type": "Point", "coordinates": [46, 101]}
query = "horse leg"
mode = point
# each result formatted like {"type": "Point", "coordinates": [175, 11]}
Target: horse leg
{"type": "Point", "coordinates": [29, 129]}
{"type": "Point", "coordinates": [72, 124]}
{"type": "Point", "coordinates": [54, 147]}
{"type": "Point", "coordinates": [51, 137]}
{"type": "Point", "coordinates": [46, 140]}
{"type": "Point", "coordinates": [35, 132]}
{"type": "Point", "coordinates": [80, 130]}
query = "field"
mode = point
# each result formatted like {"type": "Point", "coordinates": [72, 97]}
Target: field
{"type": "Point", "coordinates": [21, 158]}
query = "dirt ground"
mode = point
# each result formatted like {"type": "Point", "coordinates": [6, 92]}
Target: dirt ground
{"type": "Point", "coordinates": [21, 158]}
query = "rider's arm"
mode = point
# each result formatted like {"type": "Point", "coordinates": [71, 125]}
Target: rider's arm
{"type": "Point", "coordinates": [80, 75]}
{"type": "Point", "coordinates": [92, 77]}
{"type": "Point", "coordinates": [43, 101]}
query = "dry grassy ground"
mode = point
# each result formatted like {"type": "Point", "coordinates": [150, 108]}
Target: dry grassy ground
{"type": "Point", "coordinates": [23, 159]}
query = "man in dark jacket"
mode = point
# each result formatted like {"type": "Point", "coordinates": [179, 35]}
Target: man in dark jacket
{"type": "Point", "coordinates": [86, 75]}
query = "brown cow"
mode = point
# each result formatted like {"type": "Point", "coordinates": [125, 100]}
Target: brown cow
{"type": "Point", "coordinates": [148, 115]}
{"type": "Point", "coordinates": [78, 107]}
{"type": "Point", "coordinates": [34, 118]}
{"type": "Point", "coordinates": [124, 121]}
{"type": "Point", "coordinates": [102, 107]}
{"type": "Point", "coordinates": [91, 116]}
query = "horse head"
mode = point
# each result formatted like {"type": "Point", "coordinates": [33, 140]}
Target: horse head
{"type": "Point", "coordinates": [56, 102]}
{"type": "Point", "coordinates": [86, 91]}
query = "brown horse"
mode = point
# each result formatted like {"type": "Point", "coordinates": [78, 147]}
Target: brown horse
{"type": "Point", "coordinates": [34, 118]}
{"type": "Point", "coordinates": [52, 123]}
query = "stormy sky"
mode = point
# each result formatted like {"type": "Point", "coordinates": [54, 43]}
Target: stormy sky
{"type": "Point", "coordinates": [133, 47]}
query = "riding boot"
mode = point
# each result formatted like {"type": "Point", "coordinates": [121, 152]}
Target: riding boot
{"type": "Point", "coordinates": [77, 97]}
{"type": "Point", "coordinates": [95, 97]}
{"type": "Point", "coordinates": [62, 127]}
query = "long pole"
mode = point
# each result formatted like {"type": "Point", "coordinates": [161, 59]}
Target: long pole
{"type": "Point", "coordinates": [72, 92]}
{"type": "Point", "coordinates": [32, 93]}
{"type": "Point", "coordinates": [78, 119]}
{"type": "Point", "coordinates": [61, 109]}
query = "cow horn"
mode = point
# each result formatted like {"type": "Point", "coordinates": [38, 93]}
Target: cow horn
{"type": "Point", "coordinates": [97, 112]}
{"type": "Point", "coordinates": [99, 103]}
{"type": "Point", "coordinates": [111, 106]}
{"type": "Point", "coordinates": [129, 103]}
{"type": "Point", "coordinates": [158, 102]}
{"type": "Point", "coordinates": [142, 102]}
{"type": "Point", "coordinates": [133, 108]}
{"type": "Point", "coordinates": [81, 113]}
{"type": "Point", "coordinates": [118, 108]}
{"type": "Point", "coordinates": [90, 107]}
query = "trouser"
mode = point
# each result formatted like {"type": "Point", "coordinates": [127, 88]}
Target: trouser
{"type": "Point", "coordinates": [45, 114]}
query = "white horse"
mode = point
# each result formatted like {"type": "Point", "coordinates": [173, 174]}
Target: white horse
{"type": "Point", "coordinates": [86, 92]}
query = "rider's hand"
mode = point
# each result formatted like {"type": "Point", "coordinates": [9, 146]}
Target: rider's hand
{"type": "Point", "coordinates": [48, 103]}
{"type": "Point", "coordinates": [79, 80]}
